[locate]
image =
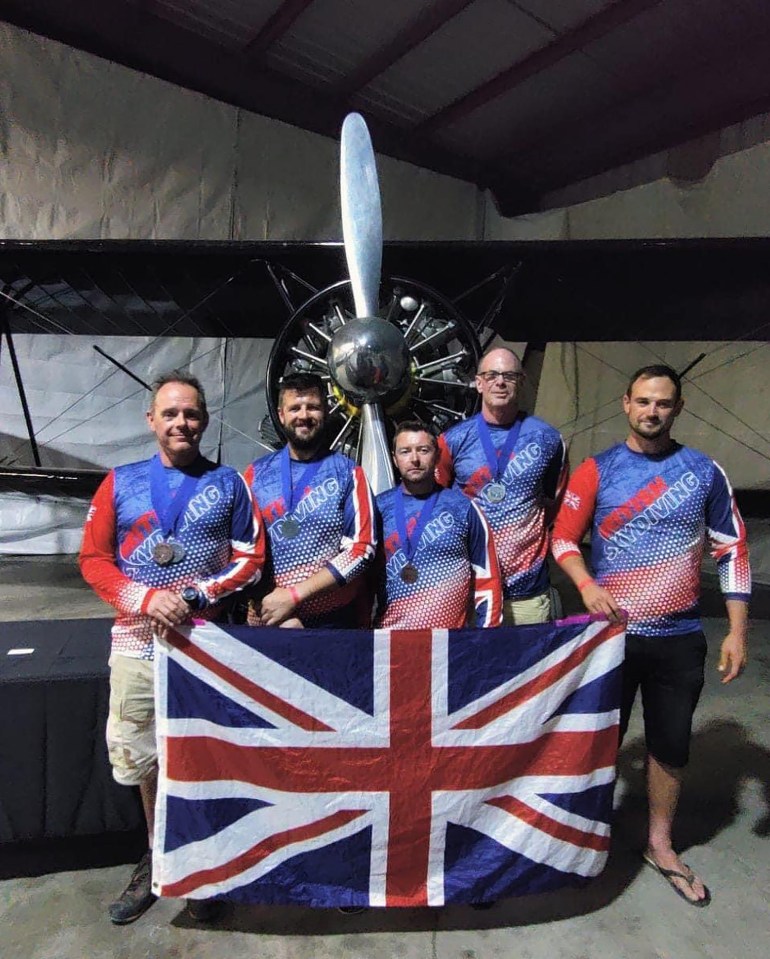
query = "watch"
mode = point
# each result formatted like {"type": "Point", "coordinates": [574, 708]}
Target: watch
{"type": "Point", "coordinates": [193, 597]}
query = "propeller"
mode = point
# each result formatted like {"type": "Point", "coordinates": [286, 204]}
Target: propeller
{"type": "Point", "coordinates": [362, 235]}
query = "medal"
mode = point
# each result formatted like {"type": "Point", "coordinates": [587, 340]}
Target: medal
{"type": "Point", "coordinates": [497, 460]}
{"type": "Point", "coordinates": [170, 509]}
{"type": "Point", "coordinates": [495, 493]}
{"type": "Point", "coordinates": [163, 554]}
{"type": "Point", "coordinates": [290, 528]}
{"type": "Point", "coordinates": [409, 573]}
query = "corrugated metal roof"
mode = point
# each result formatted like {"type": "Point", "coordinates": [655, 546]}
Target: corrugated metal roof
{"type": "Point", "coordinates": [523, 95]}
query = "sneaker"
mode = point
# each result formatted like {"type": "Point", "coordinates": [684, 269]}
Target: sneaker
{"type": "Point", "coordinates": [205, 910]}
{"type": "Point", "coordinates": [137, 897]}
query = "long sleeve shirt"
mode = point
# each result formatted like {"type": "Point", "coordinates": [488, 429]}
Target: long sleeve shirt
{"type": "Point", "coordinates": [456, 563]}
{"type": "Point", "coordinates": [335, 516]}
{"type": "Point", "coordinates": [651, 518]}
{"type": "Point", "coordinates": [219, 531]}
{"type": "Point", "coordinates": [534, 477]}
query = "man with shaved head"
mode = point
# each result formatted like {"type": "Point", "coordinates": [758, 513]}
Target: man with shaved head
{"type": "Point", "coordinates": [514, 466]}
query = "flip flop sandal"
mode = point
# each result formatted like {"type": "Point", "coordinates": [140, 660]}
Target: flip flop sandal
{"type": "Point", "coordinates": [670, 874]}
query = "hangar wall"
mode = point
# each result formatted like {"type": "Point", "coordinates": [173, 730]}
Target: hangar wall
{"type": "Point", "coordinates": [94, 150]}
{"type": "Point", "coordinates": [715, 186]}
{"type": "Point", "coordinates": [585, 383]}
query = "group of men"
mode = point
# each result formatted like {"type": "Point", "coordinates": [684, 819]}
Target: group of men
{"type": "Point", "coordinates": [462, 540]}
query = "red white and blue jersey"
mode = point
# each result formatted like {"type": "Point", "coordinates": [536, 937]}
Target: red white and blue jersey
{"type": "Point", "coordinates": [219, 531]}
{"type": "Point", "coordinates": [456, 563]}
{"type": "Point", "coordinates": [651, 516]}
{"type": "Point", "coordinates": [336, 532]}
{"type": "Point", "coordinates": [534, 478]}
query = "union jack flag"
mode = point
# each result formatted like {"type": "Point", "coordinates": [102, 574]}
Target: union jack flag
{"type": "Point", "coordinates": [385, 768]}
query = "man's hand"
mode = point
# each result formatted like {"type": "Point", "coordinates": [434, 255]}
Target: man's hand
{"type": "Point", "coordinates": [276, 607]}
{"type": "Point", "coordinates": [167, 608]}
{"type": "Point", "coordinates": [597, 599]}
{"type": "Point", "coordinates": [733, 656]}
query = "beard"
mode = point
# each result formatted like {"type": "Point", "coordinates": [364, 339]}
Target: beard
{"type": "Point", "coordinates": [650, 431]}
{"type": "Point", "coordinates": [306, 441]}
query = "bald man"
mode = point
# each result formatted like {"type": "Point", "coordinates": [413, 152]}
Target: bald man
{"type": "Point", "coordinates": [514, 466]}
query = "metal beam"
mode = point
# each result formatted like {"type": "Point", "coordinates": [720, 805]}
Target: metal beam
{"type": "Point", "coordinates": [5, 328]}
{"type": "Point", "coordinates": [711, 78]}
{"type": "Point", "coordinates": [608, 19]}
{"type": "Point", "coordinates": [414, 33]}
{"type": "Point", "coordinates": [276, 26]}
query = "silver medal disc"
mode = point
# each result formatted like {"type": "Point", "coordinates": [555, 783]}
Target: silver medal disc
{"type": "Point", "coordinates": [495, 493]}
{"type": "Point", "coordinates": [163, 554]}
{"type": "Point", "coordinates": [409, 573]}
{"type": "Point", "coordinates": [290, 528]}
{"type": "Point", "coordinates": [179, 552]}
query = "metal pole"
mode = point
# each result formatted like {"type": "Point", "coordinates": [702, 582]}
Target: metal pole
{"type": "Point", "coordinates": [6, 328]}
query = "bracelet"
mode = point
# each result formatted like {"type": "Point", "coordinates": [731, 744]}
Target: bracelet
{"type": "Point", "coordinates": [295, 597]}
{"type": "Point", "coordinates": [586, 582]}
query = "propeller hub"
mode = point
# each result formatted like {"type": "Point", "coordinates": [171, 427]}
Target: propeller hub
{"type": "Point", "coordinates": [369, 360]}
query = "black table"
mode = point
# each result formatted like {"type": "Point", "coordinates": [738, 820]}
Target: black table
{"type": "Point", "coordinates": [55, 778]}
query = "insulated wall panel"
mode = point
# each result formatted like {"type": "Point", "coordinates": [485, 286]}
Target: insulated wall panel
{"type": "Point", "coordinates": [93, 149]}
{"type": "Point", "coordinates": [727, 397]}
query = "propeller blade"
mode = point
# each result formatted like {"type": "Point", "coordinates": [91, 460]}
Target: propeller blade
{"type": "Point", "coordinates": [375, 454]}
{"type": "Point", "coordinates": [361, 214]}
{"type": "Point", "coordinates": [362, 233]}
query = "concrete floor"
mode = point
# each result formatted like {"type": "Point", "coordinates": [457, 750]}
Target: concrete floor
{"type": "Point", "coordinates": [627, 913]}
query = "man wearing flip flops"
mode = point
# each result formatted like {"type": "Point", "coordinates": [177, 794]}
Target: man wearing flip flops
{"type": "Point", "coordinates": [653, 506]}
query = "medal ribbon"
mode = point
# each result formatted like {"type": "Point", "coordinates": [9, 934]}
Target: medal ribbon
{"type": "Point", "coordinates": [169, 508]}
{"type": "Point", "coordinates": [497, 460]}
{"type": "Point", "coordinates": [287, 488]}
{"type": "Point", "coordinates": [410, 545]}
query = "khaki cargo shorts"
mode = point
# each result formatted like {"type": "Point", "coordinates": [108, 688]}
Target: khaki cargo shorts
{"type": "Point", "coordinates": [131, 721]}
{"type": "Point", "coordinates": [523, 612]}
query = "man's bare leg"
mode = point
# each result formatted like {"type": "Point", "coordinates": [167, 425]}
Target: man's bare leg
{"type": "Point", "coordinates": [148, 790]}
{"type": "Point", "coordinates": [664, 783]}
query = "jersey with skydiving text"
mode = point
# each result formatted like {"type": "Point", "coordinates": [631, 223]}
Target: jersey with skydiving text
{"type": "Point", "coordinates": [535, 473]}
{"type": "Point", "coordinates": [220, 535]}
{"type": "Point", "coordinates": [333, 520]}
{"type": "Point", "coordinates": [456, 564]}
{"type": "Point", "coordinates": [651, 516]}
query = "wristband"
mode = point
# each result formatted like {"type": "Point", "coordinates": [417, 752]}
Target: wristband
{"type": "Point", "coordinates": [295, 598]}
{"type": "Point", "coordinates": [586, 582]}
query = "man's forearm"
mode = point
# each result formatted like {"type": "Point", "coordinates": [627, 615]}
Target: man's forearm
{"type": "Point", "coordinates": [575, 567]}
{"type": "Point", "coordinates": [738, 615]}
{"type": "Point", "coordinates": [595, 598]}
